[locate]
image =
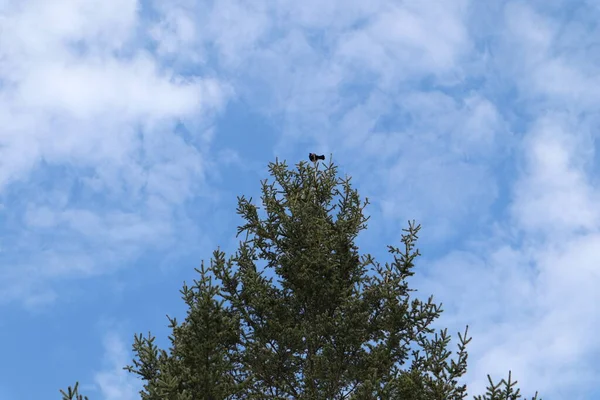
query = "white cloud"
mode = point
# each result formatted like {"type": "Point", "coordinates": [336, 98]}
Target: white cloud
{"type": "Point", "coordinates": [114, 383]}
{"type": "Point", "coordinates": [557, 55]}
{"type": "Point", "coordinates": [177, 37]}
{"type": "Point", "coordinates": [529, 289]}
{"type": "Point", "coordinates": [555, 196]}
{"type": "Point", "coordinates": [94, 88]}
{"type": "Point", "coordinates": [412, 38]}
{"type": "Point", "coordinates": [439, 168]}
{"type": "Point", "coordinates": [79, 90]}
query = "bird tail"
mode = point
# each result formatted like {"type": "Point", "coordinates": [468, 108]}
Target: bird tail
{"type": "Point", "coordinates": [321, 157]}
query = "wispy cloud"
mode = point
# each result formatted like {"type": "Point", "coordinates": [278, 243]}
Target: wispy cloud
{"type": "Point", "coordinates": [80, 95]}
{"type": "Point", "coordinates": [114, 383]}
{"type": "Point", "coordinates": [529, 288]}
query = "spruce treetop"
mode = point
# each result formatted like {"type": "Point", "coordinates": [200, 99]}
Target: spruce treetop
{"type": "Point", "coordinates": [299, 313]}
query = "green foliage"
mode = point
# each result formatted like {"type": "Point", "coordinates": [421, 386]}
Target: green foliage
{"type": "Point", "coordinates": [202, 356]}
{"type": "Point", "coordinates": [298, 313]}
{"type": "Point", "coordinates": [503, 390]}
{"type": "Point", "coordinates": [72, 393]}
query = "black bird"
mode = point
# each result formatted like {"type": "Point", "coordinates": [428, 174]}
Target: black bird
{"type": "Point", "coordinates": [313, 157]}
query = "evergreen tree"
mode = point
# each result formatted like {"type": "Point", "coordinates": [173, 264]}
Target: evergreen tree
{"type": "Point", "coordinates": [298, 313]}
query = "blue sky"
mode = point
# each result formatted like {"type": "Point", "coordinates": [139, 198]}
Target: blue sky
{"type": "Point", "coordinates": [128, 128]}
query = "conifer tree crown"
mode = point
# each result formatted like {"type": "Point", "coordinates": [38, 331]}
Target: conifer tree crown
{"type": "Point", "coordinates": [298, 313]}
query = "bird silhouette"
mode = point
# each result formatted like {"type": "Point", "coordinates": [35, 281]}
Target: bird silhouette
{"type": "Point", "coordinates": [314, 157]}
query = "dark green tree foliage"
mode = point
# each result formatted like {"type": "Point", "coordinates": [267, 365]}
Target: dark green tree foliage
{"type": "Point", "coordinates": [202, 356]}
{"type": "Point", "coordinates": [503, 390]}
{"type": "Point", "coordinates": [334, 324]}
{"type": "Point", "coordinates": [298, 313]}
{"type": "Point", "coordinates": [72, 393]}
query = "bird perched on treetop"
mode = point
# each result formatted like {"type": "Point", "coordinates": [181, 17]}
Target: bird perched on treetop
{"type": "Point", "coordinates": [313, 157]}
